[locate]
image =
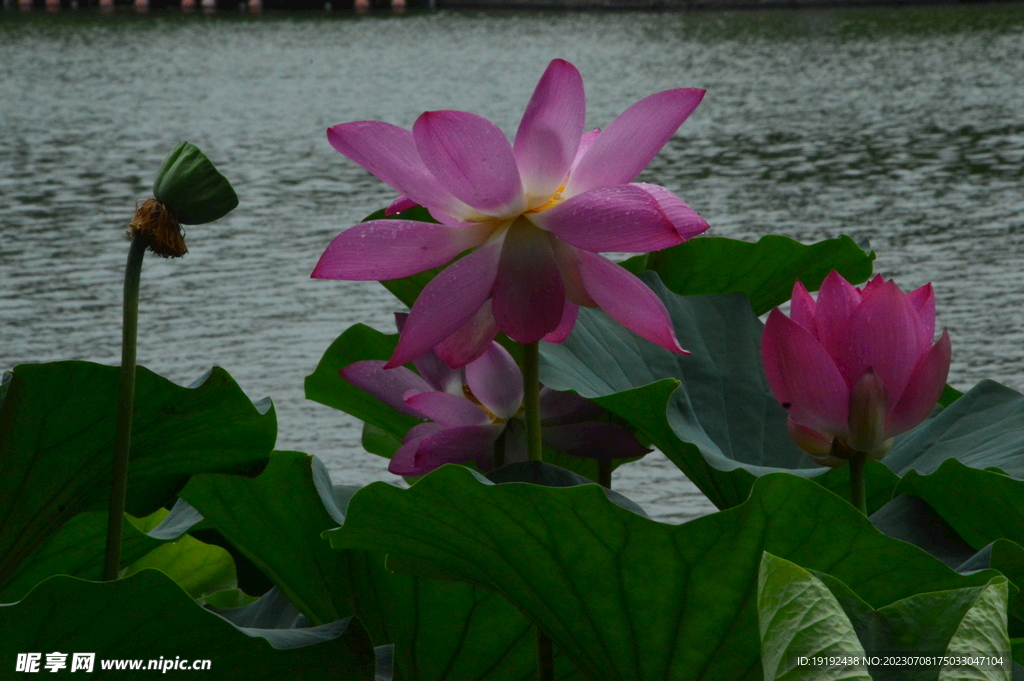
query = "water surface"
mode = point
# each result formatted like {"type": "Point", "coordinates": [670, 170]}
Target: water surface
{"type": "Point", "coordinates": [901, 126]}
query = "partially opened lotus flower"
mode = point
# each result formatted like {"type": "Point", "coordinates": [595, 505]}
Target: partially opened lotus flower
{"type": "Point", "coordinates": [535, 214]}
{"type": "Point", "coordinates": [855, 367]}
{"type": "Point", "coordinates": [470, 408]}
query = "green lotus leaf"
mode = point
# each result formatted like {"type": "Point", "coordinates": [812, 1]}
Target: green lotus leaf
{"type": "Point", "coordinates": [148, 617]}
{"type": "Point", "coordinates": [764, 271]}
{"type": "Point", "coordinates": [805, 614]}
{"type": "Point", "coordinates": [798, 617]}
{"type": "Point", "coordinates": [77, 549]}
{"type": "Point", "coordinates": [192, 188]}
{"type": "Point", "coordinates": [981, 505]}
{"type": "Point", "coordinates": [199, 568]}
{"type": "Point", "coordinates": [57, 428]}
{"type": "Point", "coordinates": [721, 426]}
{"type": "Point", "coordinates": [914, 521]}
{"type": "Point", "coordinates": [326, 386]}
{"type": "Point", "coordinates": [275, 520]}
{"type": "Point", "coordinates": [984, 428]}
{"type": "Point", "coordinates": [441, 630]}
{"type": "Point", "coordinates": [623, 596]}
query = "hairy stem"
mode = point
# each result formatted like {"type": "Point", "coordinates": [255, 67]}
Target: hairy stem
{"type": "Point", "coordinates": [126, 402]}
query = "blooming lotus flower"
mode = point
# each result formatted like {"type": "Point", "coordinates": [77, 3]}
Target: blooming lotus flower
{"type": "Point", "coordinates": [469, 408]}
{"type": "Point", "coordinates": [856, 367]}
{"type": "Point", "coordinates": [534, 215]}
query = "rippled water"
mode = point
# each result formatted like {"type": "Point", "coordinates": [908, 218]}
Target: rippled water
{"type": "Point", "coordinates": [904, 126]}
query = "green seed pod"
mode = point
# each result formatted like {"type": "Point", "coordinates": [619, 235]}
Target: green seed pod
{"type": "Point", "coordinates": [191, 187]}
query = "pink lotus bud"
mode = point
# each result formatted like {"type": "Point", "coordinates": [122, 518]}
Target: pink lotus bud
{"type": "Point", "coordinates": [857, 366]}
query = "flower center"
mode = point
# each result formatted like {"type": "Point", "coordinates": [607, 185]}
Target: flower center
{"type": "Point", "coordinates": [555, 199]}
{"type": "Point", "coordinates": [495, 419]}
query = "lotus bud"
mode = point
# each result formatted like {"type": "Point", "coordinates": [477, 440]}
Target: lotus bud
{"type": "Point", "coordinates": [856, 366]}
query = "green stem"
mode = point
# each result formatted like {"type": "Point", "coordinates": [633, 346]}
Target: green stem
{"type": "Point", "coordinates": [499, 451]}
{"type": "Point", "coordinates": [858, 493]}
{"type": "Point", "coordinates": [126, 402]}
{"type": "Point", "coordinates": [604, 473]}
{"type": "Point", "coordinates": [531, 393]}
{"type": "Point", "coordinates": [545, 657]}
{"type": "Point", "coordinates": [534, 444]}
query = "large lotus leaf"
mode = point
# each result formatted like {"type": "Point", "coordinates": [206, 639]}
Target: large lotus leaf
{"type": "Point", "coordinates": [147, 616]}
{"type": "Point", "coordinates": [1007, 557]}
{"type": "Point", "coordinates": [550, 475]}
{"type": "Point", "coordinates": [981, 505]}
{"type": "Point", "coordinates": [722, 426]}
{"type": "Point", "coordinates": [803, 613]}
{"type": "Point", "coordinates": [982, 630]}
{"type": "Point", "coordinates": [982, 429]}
{"type": "Point", "coordinates": [199, 568]}
{"type": "Point", "coordinates": [387, 425]}
{"type": "Point", "coordinates": [57, 428]}
{"type": "Point", "coordinates": [77, 549]}
{"type": "Point", "coordinates": [443, 629]}
{"type": "Point", "coordinates": [275, 520]}
{"type": "Point", "coordinates": [623, 596]}
{"type": "Point", "coordinates": [764, 271]}
{"type": "Point", "coordinates": [896, 629]}
{"type": "Point", "coordinates": [798, 617]}
{"type": "Point", "coordinates": [440, 629]}
{"type": "Point", "coordinates": [913, 520]}
{"type": "Point", "coordinates": [271, 611]}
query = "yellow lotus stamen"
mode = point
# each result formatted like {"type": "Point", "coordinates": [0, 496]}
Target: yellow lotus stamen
{"type": "Point", "coordinates": [555, 199]}
{"type": "Point", "coordinates": [495, 419]}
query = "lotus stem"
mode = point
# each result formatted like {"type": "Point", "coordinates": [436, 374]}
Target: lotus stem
{"type": "Point", "coordinates": [534, 450]}
{"type": "Point", "coordinates": [531, 393]}
{"type": "Point", "coordinates": [858, 493]}
{"type": "Point", "coordinates": [125, 405]}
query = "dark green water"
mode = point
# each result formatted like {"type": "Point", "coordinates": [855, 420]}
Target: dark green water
{"type": "Point", "coordinates": [902, 126]}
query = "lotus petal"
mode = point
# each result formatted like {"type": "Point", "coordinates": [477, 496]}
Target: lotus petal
{"type": "Point", "coordinates": [471, 157]}
{"type": "Point", "coordinates": [391, 249]}
{"type": "Point", "coordinates": [627, 300]}
{"type": "Point", "coordinates": [803, 377]}
{"type": "Point", "coordinates": [549, 133]}
{"type": "Point", "coordinates": [628, 144]}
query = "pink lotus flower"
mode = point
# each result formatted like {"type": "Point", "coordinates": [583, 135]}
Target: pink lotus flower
{"type": "Point", "coordinates": [534, 214]}
{"type": "Point", "coordinates": [469, 408]}
{"type": "Point", "coordinates": [857, 366]}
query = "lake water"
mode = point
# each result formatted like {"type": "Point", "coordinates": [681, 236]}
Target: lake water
{"type": "Point", "coordinates": [903, 126]}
